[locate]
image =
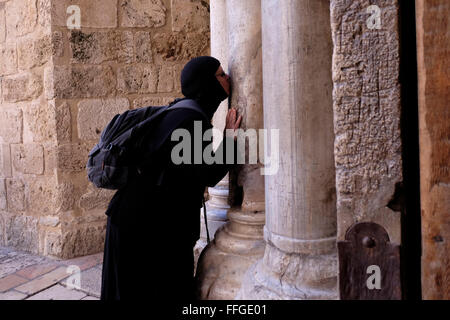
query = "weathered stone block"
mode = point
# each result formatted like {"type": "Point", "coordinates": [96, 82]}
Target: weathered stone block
{"type": "Point", "coordinates": [21, 17]}
{"type": "Point", "coordinates": [8, 58]}
{"type": "Point", "coordinates": [3, 203]}
{"type": "Point", "coordinates": [72, 157]}
{"type": "Point", "coordinates": [63, 123]}
{"type": "Point", "coordinates": [42, 194]}
{"type": "Point", "coordinates": [95, 198]}
{"type": "Point", "coordinates": [65, 197]}
{"type": "Point", "coordinates": [5, 161]}
{"type": "Point", "coordinates": [49, 88]}
{"type": "Point", "coordinates": [2, 25]}
{"type": "Point", "coordinates": [97, 47]}
{"type": "Point", "coordinates": [142, 13]}
{"type": "Point", "coordinates": [34, 52]}
{"type": "Point", "coordinates": [94, 14]}
{"type": "Point", "coordinates": [57, 44]}
{"type": "Point", "coordinates": [151, 101]}
{"type": "Point", "coordinates": [21, 233]}
{"type": "Point", "coordinates": [83, 241]}
{"type": "Point", "coordinates": [15, 195]}
{"type": "Point", "coordinates": [179, 46]}
{"type": "Point", "coordinates": [94, 115]}
{"type": "Point", "coordinates": [20, 87]}
{"type": "Point", "coordinates": [44, 12]}
{"type": "Point", "coordinates": [39, 121]}
{"type": "Point", "coordinates": [28, 158]}
{"type": "Point", "coordinates": [11, 125]}
{"type": "Point", "coordinates": [143, 47]}
{"type": "Point", "coordinates": [366, 98]}
{"type": "Point", "coordinates": [137, 79]}
{"type": "Point", "coordinates": [49, 221]}
{"type": "Point", "coordinates": [165, 79]}
{"type": "Point", "coordinates": [83, 81]}
{"type": "Point", "coordinates": [190, 16]}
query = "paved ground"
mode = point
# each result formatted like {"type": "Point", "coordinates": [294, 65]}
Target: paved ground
{"type": "Point", "coordinates": [24, 276]}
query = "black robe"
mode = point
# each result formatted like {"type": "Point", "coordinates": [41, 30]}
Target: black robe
{"type": "Point", "coordinates": [154, 221]}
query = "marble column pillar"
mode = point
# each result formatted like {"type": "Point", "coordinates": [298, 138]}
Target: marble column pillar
{"type": "Point", "coordinates": [239, 243]}
{"type": "Point", "coordinates": [300, 258]}
{"type": "Point", "coordinates": [217, 206]}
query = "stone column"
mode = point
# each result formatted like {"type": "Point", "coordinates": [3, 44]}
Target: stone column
{"type": "Point", "coordinates": [217, 206]}
{"type": "Point", "coordinates": [239, 243]}
{"type": "Point", "coordinates": [300, 256]}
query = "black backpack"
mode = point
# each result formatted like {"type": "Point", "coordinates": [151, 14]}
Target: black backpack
{"type": "Point", "coordinates": [112, 160]}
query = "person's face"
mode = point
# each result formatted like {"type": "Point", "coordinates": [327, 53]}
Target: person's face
{"type": "Point", "coordinates": [224, 79]}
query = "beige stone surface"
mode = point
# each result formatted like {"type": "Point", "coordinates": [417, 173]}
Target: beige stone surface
{"type": "Point", "coordinates": [94, 14]}
{"type": "Point", "coordinates": [5, 161]}
{"type": "Point", "coordinates": [142, 13]}
{"type": "Point", "coordinates": [42, 194]}
{"type": "Point", "coordinates": [94, 115]}
{"type": "Point", "coordinates": [8, 58]}
{"type": "Point", "coordinates": [44, 12]}
{"type": "Point", "coordinates": [39, 121]}
{"type": "Point", "coordinates": [190, 16]}
{"type": "Point", "coordinates": [97, 47]}
{"type": "Point", "coordinates": [165, 79]}
{"type": "Point", "coordinates": [21, 17]}
{"type": "Point", "coordinates": [22, 86]}
{"type": "Point", "coordinates": [83, 240]}
{"type": "Point", "coordinates": [63, 122]}
{"type": "Point", "coordinates": [143, 47]}
{"type": "Point", "coordinates": [33, 52]}
{"type": "Point", "coordinates": [179, 46]}
{"type": "Point", "coordinates": [58, 90]}
{"type": "Point", "coordinates": [83, 81]}
{"type": "Point", "coordinates": [239, 243]}
{"type": "Point", "coordinates": [3, 204]}
{"type": "Point", "coordinates": [300, 260]}
{"type": "Point", "coordinates": [2, 23]}
{"type": "Point", "coordinates": [28, 158]}
{"type": "Point", "coordinates": [152, 101]}
{"type": "Point", "coordinates": [95, 198]}
{"type": "Point", "coordinates": [21, 231]}
{"type": "Point", "coordinates": [366, 100]}
{"type": "Point", "coordinates": [137, 79]}
{"type": "Point", "coordinates": [15, 190]}
{"type": "Point", "coordinates": [72, 157]}
{"type": "Point", "coordinates": [11, 128]}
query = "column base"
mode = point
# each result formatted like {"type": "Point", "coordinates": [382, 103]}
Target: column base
{"type": "Point", "coordinates": [291, 276]}
{"type": "Point", "coordinates": [236, 246]}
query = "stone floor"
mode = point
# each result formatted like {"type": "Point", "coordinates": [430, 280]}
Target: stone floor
{"type": "Point", "coordinates": [25, 276]}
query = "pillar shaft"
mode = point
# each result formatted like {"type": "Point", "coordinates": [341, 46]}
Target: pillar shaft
{"type": "Point", "coordinates": [239, 243]}
{"type": "Point", "coordinates": [217, 205]}
{"type": "Point", "coordinates": [300, 256]}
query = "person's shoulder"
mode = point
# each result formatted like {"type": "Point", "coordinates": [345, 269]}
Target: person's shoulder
{"type": "Point", "coordinates": [188, 116]}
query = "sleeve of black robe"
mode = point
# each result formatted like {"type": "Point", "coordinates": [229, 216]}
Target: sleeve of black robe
{"type": "Point", "coordinates": [191, 176]}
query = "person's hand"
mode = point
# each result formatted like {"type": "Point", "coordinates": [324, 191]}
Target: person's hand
{"type": "Point", "coordinates": [232, 123]}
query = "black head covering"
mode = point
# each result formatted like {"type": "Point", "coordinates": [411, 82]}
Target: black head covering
{"type": "Point", "coordinates": [199, 82]}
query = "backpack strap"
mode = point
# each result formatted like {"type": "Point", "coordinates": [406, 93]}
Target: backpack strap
{"type": "Point", "coordinates": [189, 104]}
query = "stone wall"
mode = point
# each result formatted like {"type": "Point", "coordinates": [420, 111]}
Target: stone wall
{"type": "Point", "coordinates": [60, 87]}
{"type": "Point", "coordinates": [366, 98]}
